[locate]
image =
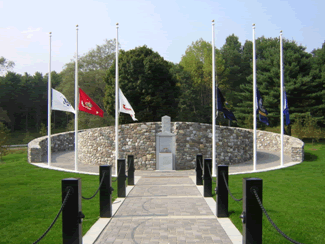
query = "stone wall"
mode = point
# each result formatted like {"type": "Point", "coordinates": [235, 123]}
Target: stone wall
{"type": "Point", "coordinates": [38, 148]}
{"type": "Point", "coordinates": [233, 145]}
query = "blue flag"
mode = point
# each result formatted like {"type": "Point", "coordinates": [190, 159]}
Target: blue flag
{"type": "Point", "coordinates": [286, 109]}
{"type": "Point", "coordinates": [220, 101]}
{"type": "Point", "coordinates": [261, 110]}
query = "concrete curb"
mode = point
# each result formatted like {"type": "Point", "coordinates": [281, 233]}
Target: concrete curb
{"type": "Point", "coordinates": [95, 231]}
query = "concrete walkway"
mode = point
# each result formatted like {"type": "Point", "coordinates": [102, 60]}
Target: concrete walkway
{"type": "Point", "coordinates": [167, 208]}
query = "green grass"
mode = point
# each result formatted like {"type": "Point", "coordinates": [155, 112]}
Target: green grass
{"type": "Point", "coordinates": [30, 198]}
{"type": "Point", "coordinates": [294, 198]}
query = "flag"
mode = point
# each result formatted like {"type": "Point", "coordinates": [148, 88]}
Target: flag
{"type": "Point", "coordinates": [60, 103]}
{"type": "Point", "coordinates": [125, 107]}
{"type": "Point", "coordinates": [220, 101]}
{"type": "Point", "coordinates": [286, 109]}
{"type": "Point", "coordinates": [86, 104]}
{"type": "Point", "coordinates": [261, 110]}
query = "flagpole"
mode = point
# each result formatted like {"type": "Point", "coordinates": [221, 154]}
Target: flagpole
{"type": "Point", "coordinates": [213, 100]}
{"type": "Point", "coordinates": [116, 104]}
{"type": "Point", "coordinates": [76, 103]}
{"type": "Point", "coordinates": [282, 99]}
{"type": "Point", "coordinates": [49, 108]}
{"type": "Point", "coordinates": [254, 97]}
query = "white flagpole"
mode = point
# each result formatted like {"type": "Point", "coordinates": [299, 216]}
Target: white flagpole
{"type": "Point", "coordinates": [282, 98]}
{"type": "Point", "coordinates": [254, 96]}
{"type": "Point", "coordinates": [49, 108]}
{"type": "Point", "coordinates": [76, 103]}
{"type": "Point", "coordinates": [213, 101]}
{"type": "Point", "coordinates": [116, 103]}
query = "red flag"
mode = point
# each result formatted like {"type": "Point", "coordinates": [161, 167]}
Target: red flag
{"type": "Point", "coordinates": [86, 104]}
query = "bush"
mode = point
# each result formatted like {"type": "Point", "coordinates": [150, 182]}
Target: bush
{"type": "Point", "coordinates": [4, 137]}
{"type": "Point", "coordinates": [307, 127]}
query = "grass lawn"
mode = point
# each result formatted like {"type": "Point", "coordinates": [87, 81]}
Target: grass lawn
{"type": "Point", "coordinates": [293, 197]}
{"type": "Point", "coordinates": [30, 198]}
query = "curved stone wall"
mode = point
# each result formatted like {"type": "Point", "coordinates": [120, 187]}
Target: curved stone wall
{"type": "Point", "coordinates": [233, 145]}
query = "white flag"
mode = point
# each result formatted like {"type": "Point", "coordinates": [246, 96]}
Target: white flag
{"type": "Point", "coordinates": [60, 103]}
{"type": "Point", "coordinates": [125, 107]}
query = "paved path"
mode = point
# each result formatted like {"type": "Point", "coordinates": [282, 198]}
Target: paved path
{"type": "Point", "coordinates": [167, 208]}
{"type": "Point", "coordinates": [265, 160]}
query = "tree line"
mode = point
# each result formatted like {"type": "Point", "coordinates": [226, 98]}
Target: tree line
{"type": "Point", "coordinates": [156, 87]}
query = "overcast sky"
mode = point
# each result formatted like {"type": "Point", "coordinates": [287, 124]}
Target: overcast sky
{"type": "Point", "coordinates": [168, 27]}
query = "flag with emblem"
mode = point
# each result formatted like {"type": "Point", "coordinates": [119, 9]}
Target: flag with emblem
{"type": "Point", "coordinates": [125, 107]}
{"type": "Point", "coordinates": [86, 104]}
{"type": "Point", "coordinates": [60, 102]}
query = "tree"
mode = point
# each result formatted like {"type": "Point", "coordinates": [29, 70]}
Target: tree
{"type": "Point", "coordinates": [317, 84]}
{"type": "Point", "coordinates": [238, 66]}
{"type": "Point", "coordinates": [197, 61]}
{"type": "Point", "coordinates": [5, 65]}
{"type": "Point", "coordinates": [297, 66]}
{"type": "Point", "coordinates": [146, 82]}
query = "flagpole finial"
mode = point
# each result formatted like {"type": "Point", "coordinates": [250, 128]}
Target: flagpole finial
{"type": "Point", "coordinates": [117, 24]}
{"type": "Point", "coordinates": [77, 27]}
{"type": "Point", "coordinates": [254, 25]}
{"type": "Point", "coordinates": [281, 32]}
{"type": "Point", "coordinates": [50, 33]}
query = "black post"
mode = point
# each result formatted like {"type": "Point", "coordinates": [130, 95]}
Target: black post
{"type": "Point", "coordinates": [106, 191]}
{"type": "Point", "coordinates": [207, 178]}
{"type": "Point", "coordinates": [252, 215]}
{"type": "Point", "coordinates": [131, 170]}
{"type": "Point", "coordinates": [71, 212]}
{"type": "Point", "coordinates": [222, 195]}
{"type": "Point", "coordinates": [121, 177]}
{"type": "Point", "coordinates": [199, 171]}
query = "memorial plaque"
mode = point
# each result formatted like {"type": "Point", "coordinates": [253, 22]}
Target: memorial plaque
{"type": "Point", "coordinates": [165, 161]}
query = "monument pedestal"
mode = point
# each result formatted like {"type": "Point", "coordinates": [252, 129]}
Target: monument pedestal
{"type": "Point", "coordinates": [165, 146]}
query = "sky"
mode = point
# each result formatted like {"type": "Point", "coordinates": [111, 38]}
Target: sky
{"type": "Point", "coordinates": [168, 27]}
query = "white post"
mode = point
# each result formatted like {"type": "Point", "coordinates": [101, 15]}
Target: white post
{"type": "Point", "coordinates": [254, 96]}
{"type": "Point", "coordinates": [213, 102]}
{"type": "Point", "coordinates": [116, 103]}
{"type": "Point", "coordinates": [282, 98]}
{"type": "Point", "coordinates": [49, 108]}
{"type": "Point", "coordinates": [76, 103]}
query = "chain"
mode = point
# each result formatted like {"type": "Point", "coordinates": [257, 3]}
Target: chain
{"type": "Point", "coordinates": [89, 198]}
{"type": "Point", "coordinates": [118, 174]}
{"type": "Point", "coordinates": [227, 187]}
{"type": "Point", "coordinates": [55, 219]}
{"type": "Point", "coordinates": [211, 175]}
{"type": "Point", "coordinates": [270, 220]}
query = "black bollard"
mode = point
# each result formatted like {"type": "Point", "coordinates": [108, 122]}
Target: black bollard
{"type": "Point", "coordinates": [121, 177]}
{"type": "Point", "coordinates": [207, 178]}
{"type": "Point", "coordinates": [106, 191]}
{"type": "Point", "coordinates": [222, 195]}
{"type": "Point", "coordinates": [71, 213]}
{"type": "Point", "coordinates": [199, 171]}
{"type": "Point", "coordinates": [131, 170]}
{"type": "Point", "coordinates": [252, 215]}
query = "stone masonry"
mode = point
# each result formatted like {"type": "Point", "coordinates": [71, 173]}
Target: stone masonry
{"type": "Point", "coordinates": [233, 145]}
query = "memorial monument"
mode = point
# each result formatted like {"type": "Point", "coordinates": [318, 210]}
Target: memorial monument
{"type": "Point", "coordinates": [165, 146]}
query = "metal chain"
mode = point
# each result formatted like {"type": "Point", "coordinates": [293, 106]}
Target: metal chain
{"type": "Point", "coordinates": [89, 198]}
{"type": "Point", "coordinates": [211, 175]}
{"type": "Point", "coordinates": [270, 220]}
{"type": "Point", "coordinates": [55, 219]}
{"type": "Point", "coordinates": [227, 187]}
{"type": "Point", "coordinates": [118, 174]}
